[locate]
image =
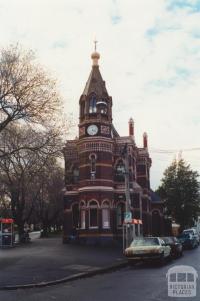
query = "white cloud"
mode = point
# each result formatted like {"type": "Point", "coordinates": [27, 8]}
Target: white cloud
{"type": "Point", "coordinates": [150, 59]}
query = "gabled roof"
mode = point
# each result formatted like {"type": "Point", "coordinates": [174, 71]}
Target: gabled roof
{"type": "Point", "coordinates": [95, 83]}
{"type": "Point", "coordinates": [155, 198]}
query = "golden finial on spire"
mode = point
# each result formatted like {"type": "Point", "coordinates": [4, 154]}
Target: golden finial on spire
{"type": "Point", "coordinates": [95, 55]}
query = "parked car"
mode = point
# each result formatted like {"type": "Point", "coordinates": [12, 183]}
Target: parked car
{"type": "Point", "coordinates": [188, 240]}
{"type": "Point", "coordinates": [192, 231]}
{"type": "Point", "coordinates": [175, 245]}
{"type": "Point", "coordinates": [148, 248]}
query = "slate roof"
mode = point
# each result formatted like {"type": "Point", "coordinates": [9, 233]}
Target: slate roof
{"type": "Point", "coordinates": [95, 83]}
{"type": "Point", "coordinates": [155, 197]}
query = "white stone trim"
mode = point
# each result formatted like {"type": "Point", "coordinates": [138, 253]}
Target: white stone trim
{"type": "Point", "coordinates": [96, 188]}
{"type": "Point", "coordinates": [70, 192]}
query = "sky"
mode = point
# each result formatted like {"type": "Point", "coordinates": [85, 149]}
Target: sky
{"type": "Point", "coordinates": [150, 60]}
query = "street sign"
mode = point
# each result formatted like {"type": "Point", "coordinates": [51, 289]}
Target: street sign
{"type": "Point", "coordinates": [6, 220]}
{"type": "Point", "coordinates": [127, 217]}
{"type": "Point", "coordinates": [137, 221]}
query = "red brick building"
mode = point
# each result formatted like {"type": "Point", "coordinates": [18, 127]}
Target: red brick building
{"type": "Point", "coordinates": [94, 199]}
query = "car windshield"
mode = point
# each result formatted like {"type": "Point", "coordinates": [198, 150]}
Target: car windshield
{"type": "Point", "coordinates": [185, 235]}
{"type": "Point", "coordinates": [188, 232]}
{"type": "Point", "coordinates": [149, 241]}
{"type": "Point", "coordinates": [168, 240]}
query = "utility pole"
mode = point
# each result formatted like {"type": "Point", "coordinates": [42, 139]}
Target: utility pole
{"type": "Point", "coordinates": [127, 227]}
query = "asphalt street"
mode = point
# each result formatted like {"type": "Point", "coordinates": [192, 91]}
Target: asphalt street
{"type": "Point", "coordinates": [141, 283]}
{"type": "Point", "coordinates": [49, 259]}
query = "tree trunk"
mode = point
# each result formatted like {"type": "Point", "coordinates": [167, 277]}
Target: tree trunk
{"type": "Point", "coordinates": [21, 232]}
{"type": "Point", "coordinates": [44, 232]}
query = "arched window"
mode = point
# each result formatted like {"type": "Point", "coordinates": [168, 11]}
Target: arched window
{"type": "Point", "coordinates": [92, 158]}
{"type": "Point", "coordinates": [102, 106]}
{"type": "Point", "coordinates": [82, 215]}
{"type": "Point", "coordinates": [93, 214]}
{"type": "Point", "coordinates": [92, 104]}
{"type": "Point", "coordinates": [120, 214]}
{"type": "Point", "coordinates": [75, 215]}
{"type": "Point", "coordinates": [120, 172]}
{"type": "Point", "coordinates": [105, 215]}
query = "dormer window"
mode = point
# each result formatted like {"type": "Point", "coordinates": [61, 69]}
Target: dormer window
{"type": "Point", "coordinates": [92, 105]}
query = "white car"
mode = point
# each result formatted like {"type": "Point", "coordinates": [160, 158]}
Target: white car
{"type": "Point", "coordinates": [148, 248]}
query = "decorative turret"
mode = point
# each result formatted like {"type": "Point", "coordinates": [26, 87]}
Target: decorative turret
{"type": "Point", "coordinates": [95, 103]}
{"type": "Point", "coordinates": [95, 83]}
{"type": "Point", "coordinates": [145, 140]}
{"type": "Point", "coordinates": [95, 56]}
{"type": "Point", "coordinates": [131, 127]}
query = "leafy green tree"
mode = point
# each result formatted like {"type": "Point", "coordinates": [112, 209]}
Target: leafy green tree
{"type": "Point", "coordinates": [181, 191]}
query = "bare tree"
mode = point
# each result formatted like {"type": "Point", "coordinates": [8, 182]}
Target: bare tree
{"type": "Point", "coordinates": [29, 95]}
{"type": "Point", "coordinates": [48, 208]}
{"type": "Point", "coordinates": [26, 92]}
{"type": "Point", "coordinates": [19, 170]}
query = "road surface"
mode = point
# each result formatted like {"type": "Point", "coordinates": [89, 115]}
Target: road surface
{"type": "Point", "coordinates": [141, 283]}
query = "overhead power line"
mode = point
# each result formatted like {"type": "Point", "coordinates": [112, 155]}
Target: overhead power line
{"type": "Point", "coordinates": [172, 151]}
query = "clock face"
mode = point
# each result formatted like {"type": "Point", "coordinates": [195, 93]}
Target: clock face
{"type": "Point", "coordinates": [92, 130]}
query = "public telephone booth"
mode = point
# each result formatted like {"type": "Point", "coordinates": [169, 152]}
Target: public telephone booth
{"type": "Point", "coordinates": [6, 232]}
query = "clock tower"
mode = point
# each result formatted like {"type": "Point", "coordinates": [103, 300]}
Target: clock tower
{"type": "Point", "coordinates": [95, 116]}
{"type": "Point", "coordinates": [95, 191]}
{"type": "Point", "coordinates": [95, 130]}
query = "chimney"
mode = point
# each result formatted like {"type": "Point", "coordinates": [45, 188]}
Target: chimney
{"type": "Point", "coordinates": [131, 127]}
{"type": "Point", "coordinates": [145, 140]}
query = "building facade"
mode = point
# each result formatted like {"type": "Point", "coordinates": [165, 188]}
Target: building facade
{"type": "Point", "coordinates": [94, 197]}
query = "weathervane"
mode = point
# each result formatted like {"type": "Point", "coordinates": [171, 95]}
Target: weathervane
{"type": "Point", "coordinates": [95, 44]}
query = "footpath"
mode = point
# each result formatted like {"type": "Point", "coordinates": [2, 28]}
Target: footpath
{"type": "Point", "coordinates": [46, 261]}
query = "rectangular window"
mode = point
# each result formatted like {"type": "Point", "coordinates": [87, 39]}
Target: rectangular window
{"type": "Point", "coordinates": [82, 219]}
{"type": "Point", "coordinates": [93, 218]}
{"type": "Point", "coordinates": [105, 218]}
